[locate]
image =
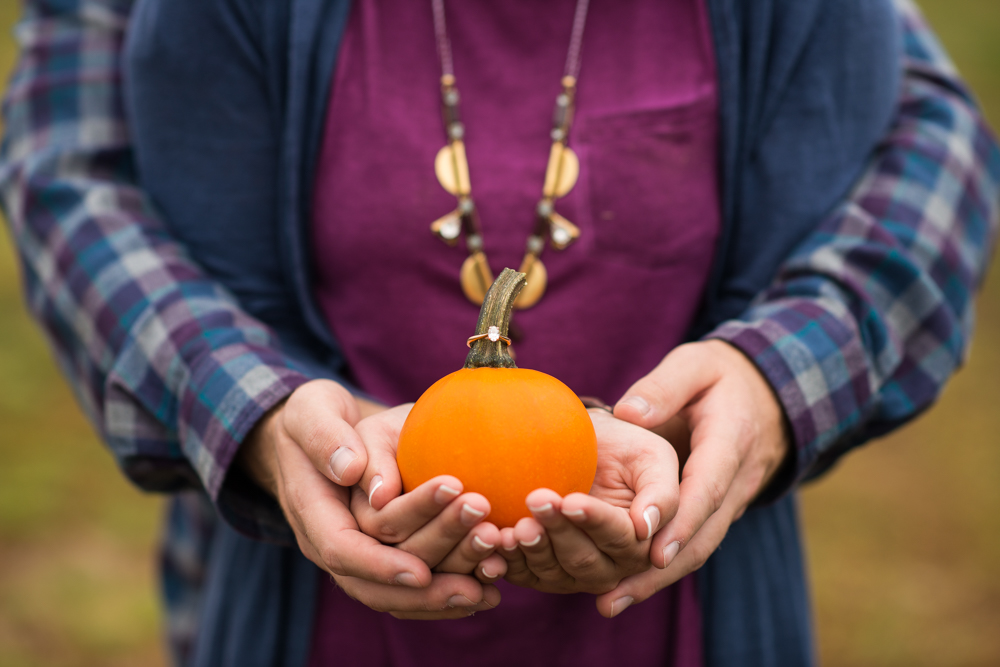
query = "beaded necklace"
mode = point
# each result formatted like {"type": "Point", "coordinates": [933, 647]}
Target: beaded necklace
{"type": "Point", "coordinates": [561, 174]}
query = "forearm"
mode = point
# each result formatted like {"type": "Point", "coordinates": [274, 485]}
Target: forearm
{"type": "Point", "coordinates": [167, 365]}
{"type": "Point", "coordinates": [872, 314]}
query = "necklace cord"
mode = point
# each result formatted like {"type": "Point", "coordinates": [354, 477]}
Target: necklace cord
{"type": "Point", "coordinates": [453, 173]}
{"type": "Point", "coordinates": [441, 33]}
{"type": "Point", "coordinates": [572, 55]}
{"type": "Point", "coordinates": [576, 38]}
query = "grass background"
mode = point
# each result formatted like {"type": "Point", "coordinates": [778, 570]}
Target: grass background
{"type": "Point", "coordinates": [903, 538]}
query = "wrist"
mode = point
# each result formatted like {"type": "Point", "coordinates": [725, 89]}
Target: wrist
{"type": "Point", "coordinates": [776, 433]}
{"type": "Point", "coordinates": [256, 457]}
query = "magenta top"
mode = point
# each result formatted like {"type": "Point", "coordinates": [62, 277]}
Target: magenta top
{"type": "Point", "coordinates": [647, 203]}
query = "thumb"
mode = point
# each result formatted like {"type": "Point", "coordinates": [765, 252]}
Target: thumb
{"type": "Point", "coordinates": [317, 417]}
{"type": "Point", "coordinates": [683, 374]}
{"type": "Point", "coordinates": [655, 482]}
{"type": "Point", "coordinates": [380, 435]}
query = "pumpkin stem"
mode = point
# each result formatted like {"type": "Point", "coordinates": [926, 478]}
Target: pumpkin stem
{"type": "Point", "coordinates": [495, 312]}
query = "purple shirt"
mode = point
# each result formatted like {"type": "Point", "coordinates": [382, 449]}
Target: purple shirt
{"type": "Point", "coordinates": [621, 297]}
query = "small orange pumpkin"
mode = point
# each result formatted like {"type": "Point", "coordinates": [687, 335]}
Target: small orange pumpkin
{"type": "Point", "coordinates": [502, 430]}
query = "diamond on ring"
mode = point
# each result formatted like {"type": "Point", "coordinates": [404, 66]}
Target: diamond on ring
{"type": "Point", "coordinates": [492, 334]}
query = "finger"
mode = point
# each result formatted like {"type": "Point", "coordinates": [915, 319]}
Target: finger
{"type": "Point", "coordinates": [491, 599]}
{"type": "Point", "coordinates": [517, 567]}
{"type": "Point", "coordinates": [572, 548]}
{"type": "Point", "coordinates": [444, 592]}
{"type": "Point", "coordinates": [491, 569]}
{"type": "Point", "coordinates": [318, 417]}
{"type": "Point", "coordinates": [715, 459]}
{"type": "Point", "coordinates": [475, 547]}
{"type": "Point", "coordinates": [682, 375]}
{"type": "Point", "coordinates": [655, 473]}
{"type": "Point", "coordinates": [443, 533]}
{"type": "Point", "coordinates": [380, 434]}
{"type": "Point", "coordinates": [650, 468]}
{"type": "Point", "coordinates": [538, 553]}
{"type": "Point", "coordinates": [327, 531]}
{"type": "Point", "coordinates": [640, 587]}
{"type": "Point", "coordinates": [610, 529]}
{"type": "Point", "coordinates": [401, 516]}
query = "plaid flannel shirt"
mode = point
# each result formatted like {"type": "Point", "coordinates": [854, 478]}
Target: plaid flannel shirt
{"type": "Point", "coordinates": [871, 315]}
{"type": "Point", "coordinates": [860, 330]}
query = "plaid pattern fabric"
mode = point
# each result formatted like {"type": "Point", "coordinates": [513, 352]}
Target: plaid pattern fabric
{"type": "Point", "coordinates": [874, 311]}
{"type": "Point", "coordinates": [858, 333]}
{"type": "Point", "coordinates": [166, 365]}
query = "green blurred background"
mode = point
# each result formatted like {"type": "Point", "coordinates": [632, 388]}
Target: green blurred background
{"type": "Point", "coordinates": [903, 539]}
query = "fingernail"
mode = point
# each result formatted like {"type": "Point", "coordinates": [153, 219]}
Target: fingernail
{"type": "Point", "coordinates": [470, 515]}
{"type": "Point", "coordinates": [341, 460]}
{"type": "Point", "coordinates": [538, 538]}
{"type": "Point", "coordinates": [487, 574]}
{"type": "Point", "coordinates": [637, 402]}
{"type": "Point", "coordinates": [576, 514]}
{"type": "Point", "coordinates": [670, 552]}
{"type": "Point", "coordinates": [407, 579]}
{"type": "Point", "coordinates": [445, 494]}
{"type": "Point", "coordinates": [620, 605]}
{"type": "Point", "coordinates": [483, 546]}
{"type": "Point", "coordinates": [542, 510]}
{"type": "Point", "coordinates": [460, 601]}
{"type": "Point", "coordinates": [652, 516]}
{"type": "Point", "coordinates": [376, 482]}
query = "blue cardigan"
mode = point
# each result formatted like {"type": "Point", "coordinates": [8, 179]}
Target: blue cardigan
{"type": "Point", "coordinates": [227, 101]}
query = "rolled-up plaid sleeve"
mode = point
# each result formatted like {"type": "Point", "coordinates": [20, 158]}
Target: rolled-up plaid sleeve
{"type": "Point", "coordinates": [873, 313]}
{"type": "Point", "coordinates": [165, 364]}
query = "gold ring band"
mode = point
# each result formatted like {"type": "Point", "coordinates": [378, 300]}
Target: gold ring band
{"type": "Point", "coordinates": [493, 335]}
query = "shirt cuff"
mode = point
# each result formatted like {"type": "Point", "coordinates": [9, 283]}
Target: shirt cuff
{"type": "Point", "coordinates": [227, 392]}
{"type": "Point", "coordinates": [810, 353]}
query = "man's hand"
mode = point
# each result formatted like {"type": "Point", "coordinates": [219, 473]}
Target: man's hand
{"type": "Point", "coordinates": [708, 399]}
{"type": "Point", "coordinates": [589, 543]}
{"type": "Point", "coordinates": [305, 453]}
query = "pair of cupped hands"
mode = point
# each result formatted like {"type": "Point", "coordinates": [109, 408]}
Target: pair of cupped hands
{"type": "Point", "coordinates": [686, 451]}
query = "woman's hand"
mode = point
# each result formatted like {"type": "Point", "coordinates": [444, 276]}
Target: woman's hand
{"type": "Point", "coordinates": [305, 452]}
{"type": "Point", "coordinates": [435, 521]}
{"type": "Point", "coordinates": [589, 543]}
{"type": "Point", "coordinates": [710, 399]}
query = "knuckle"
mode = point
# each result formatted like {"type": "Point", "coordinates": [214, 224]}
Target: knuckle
{"type": "Point", "coordinates": [700, 555]}
{"type": "Point", "coordinates": [620, 542]}
{"type": "Point", "coordinates": [331, 560]}
{"type": "Point", "coordinates": [583, 562]}
{"type": "Point", "coordinates": [450, 529]}
{"type": "Point", "coordinates": [296, 504]}
{"type": "Point", "coordinates": [387, 533]}
{"type": "Point", "coordinates": [313, 437]}
{"type": "Point", "coordinates": [716, 494]}
{"type": "Point", "coordinates": [548, 570]}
